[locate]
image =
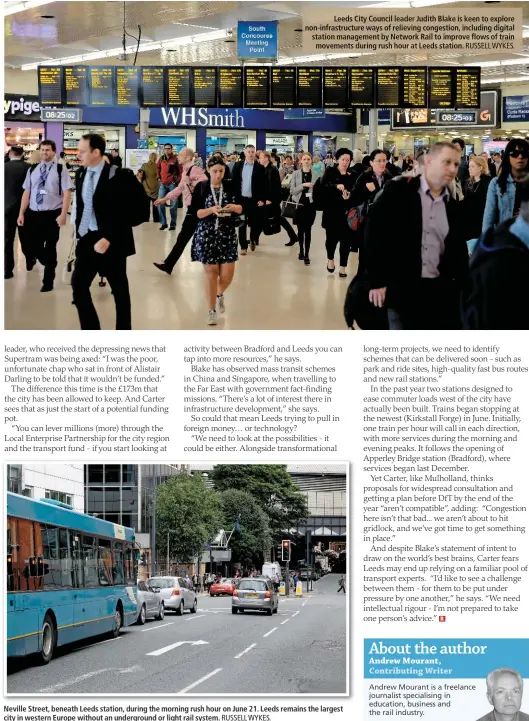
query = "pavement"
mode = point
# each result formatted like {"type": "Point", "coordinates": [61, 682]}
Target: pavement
{"type": "Point", "coordinates": [300, 650]}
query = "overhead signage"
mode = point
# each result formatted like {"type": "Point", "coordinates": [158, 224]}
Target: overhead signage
{"type": "Point", "coordinates": [62, 115]}
{"type": "Point", "coordinates": [76, 85]}
{"type": "Point", "coordinates": [335, 87]}
{"type": "Point", "coordinates": [153, 87]}
{"type": "Point", "coordinates": [422, 118]}
{"type": "Point", "coordinates": [50, 78]}
{"type": "Point", "coordinates": [179, 86]}
{"type": "Point", "coordinates": [257, 40]}
{"type": "Point", "coordinates": [21, 107]}
{"type": "Point", "coordinates": [256, 87]}
{"type": "Point", "coordinates": [127, 86]}
{"type": "Point", "coordinates": [101, 83]}
{"type": "Point", "coordinates": [283, 87]}
{"type": "Point", "coordinates": [310, 87]}
{"type": "Point", "coordinates": [303, 113]}
{"type": "Point", "coordinates": [205, 87]}
{"type": "Point", "coordinates": [362, 87]}
{"type": "Point", "coordinates": [230, 87]}
{"type": "Point", "coordinates": [516, 108]}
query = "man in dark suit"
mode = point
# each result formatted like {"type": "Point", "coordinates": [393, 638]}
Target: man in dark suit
{"type": "Point", "coordinates": [116, 158]}
{"type": "Point", "coordinates": [248, 181]}
{"type": "Point", "coordinates": [104, 240]}
{"type": "Point", "coordinates": [15, 171]}
{"type": "Point", "coordinates": [418, 271]}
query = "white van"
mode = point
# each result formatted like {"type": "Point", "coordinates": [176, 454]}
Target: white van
{"type": "Point", "coordinates": [271, 570]}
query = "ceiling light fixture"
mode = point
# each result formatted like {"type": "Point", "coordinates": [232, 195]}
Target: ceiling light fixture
{"type": "Point", "coordinates": [10, 8]}
{"type": "Point", "coordinates": [501, 79]}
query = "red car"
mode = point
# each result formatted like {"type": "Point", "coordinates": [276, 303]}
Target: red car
{"type": "Point", "coordinates": [223, 587]}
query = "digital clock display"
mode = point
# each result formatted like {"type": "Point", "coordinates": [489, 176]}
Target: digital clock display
{"type": "Point", "coordinates": [457, 117]}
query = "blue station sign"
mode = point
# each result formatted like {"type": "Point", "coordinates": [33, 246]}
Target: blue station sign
{"type": "Point", "coordinates": [257, 40]}
{"type": "Point", "coordinates": [515, 108]}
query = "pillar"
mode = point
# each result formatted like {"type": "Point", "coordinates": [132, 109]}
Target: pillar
{"type": "Point", "coordinates": [373, 127]}
{"type": "Point", "coordinates": [310, 142]}
{"type": "Point", "coordinates": [260, 140]}
{"type": "Point", "coordinates": [201, 134]}
{"type": "Point", "coordinates": [55, 132]}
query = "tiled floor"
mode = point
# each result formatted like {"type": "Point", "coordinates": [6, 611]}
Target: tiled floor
{"type": "Point", "coordinates": [272, 289]}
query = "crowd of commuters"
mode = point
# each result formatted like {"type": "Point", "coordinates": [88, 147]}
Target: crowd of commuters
{"type": "Point", "coordinates": [441, 237]}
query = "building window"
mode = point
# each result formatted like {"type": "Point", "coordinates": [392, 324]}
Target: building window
{"type": "Point", "coordinates": [59, 496]}
{"type": "Point", "coordinates": [14, 479]}
{"type": "Point", "coordinates": [28, 491]}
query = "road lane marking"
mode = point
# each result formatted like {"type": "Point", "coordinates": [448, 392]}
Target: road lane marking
{"type": "Point", "coordinates": [194, 618]}
{"type": "Point", "coordinates": [295, 614]}
{"type": "Point", "coordinates": [283, 622]}
{"type": "Point", "coordinates": [200, 680]}
{"type": "Point", "coordinates": [77, 679]}
{"type": "Point", "coordinates": [304, 602]}
{"type": "Point", "coordinates": [155, 627]}
{"type": "Point", "coordinates": [109, 640]}
{"type": "Point", "coordinates": [165, 649]}
{"type": "Point", "coordinates": [269, 632]}
{"type": "Point", "coordinates": [245, 650]}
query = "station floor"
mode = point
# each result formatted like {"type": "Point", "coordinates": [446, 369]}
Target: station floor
{"type": "Point", "coordinates": [272, 289]}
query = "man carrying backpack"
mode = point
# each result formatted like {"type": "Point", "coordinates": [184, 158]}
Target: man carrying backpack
{"type": "Point", "coordinates": [44, 210]}
{"type": "Point", "coordinates": [104, 237]}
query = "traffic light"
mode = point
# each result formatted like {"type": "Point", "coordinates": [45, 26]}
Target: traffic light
{"type": "Point", "coordinates": [285, 551]}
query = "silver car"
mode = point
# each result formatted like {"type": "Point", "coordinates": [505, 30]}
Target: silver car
{"type": "Point", "coordinates": [150, 603]}
{"type": "Point", "coordinates": [255, 594]}
{"type": "Point", "coordinates": [177, 594]}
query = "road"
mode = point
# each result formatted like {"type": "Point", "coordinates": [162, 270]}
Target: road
{"type": "Point", "coordinates": [302, 649]}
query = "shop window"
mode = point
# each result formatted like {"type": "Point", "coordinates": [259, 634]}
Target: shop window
{"type": "Point", "coordinates": [89, 561]}
{"type": "Point", "coordinates": [119, 564]}
{"type": "Point", "coordinates": [105, 563]}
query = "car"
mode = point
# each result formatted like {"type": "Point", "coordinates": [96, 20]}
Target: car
{"type": "Point", "coordinates": [150, 603]}
{"type": "Point", "coordinates": [177, 594]}
{"type": "Point", "coordinates": [223, 587]}
{"type": "Point", "coordinates": [255, 594]}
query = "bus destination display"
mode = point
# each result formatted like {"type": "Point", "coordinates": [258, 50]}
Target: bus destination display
{"type": "Point", "coordinates": [388, 87]}
{"type": "Point", "coordinates": [179, 87]}
{"type": "Point", "coordinates": [50, 85]}
{"type": "Point", "coordinates": [205, 84]}
{"type": "Point", "coordinates": [153, 87]}
{"type": "Point", "coordinates": [102, 85]}
{"type": "Point", "coordinates": [309, 87]}
{"type": "Point", "coordinates": [414, 88]}
{"type": "Point", "coordinates": [283, 87]}
{"type": "Point", "coordinates": [335, 87]}
{"type": "Point", "coordinates": [440, 86]}
{"type": "Point", "coordinates": [76, 85]}
{"type": "Point", "coordinates": [468, 88]}
{"type": "Point", "coordinates": [127, 86]}
{"type": "Point", "coordinates": [256, 87]}
{"type": "Point", "coordinates": [361, 87]}
{"type": "Point", "coordinates": [230, 87]}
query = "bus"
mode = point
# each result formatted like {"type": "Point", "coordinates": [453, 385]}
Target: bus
{"type": "Point", "coordinates": [69, 576]}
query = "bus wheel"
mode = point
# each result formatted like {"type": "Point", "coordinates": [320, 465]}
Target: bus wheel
{"type": "Point", "coordinates": [48, 639]}
{"type": "Point", "coordinates": [118, 622]}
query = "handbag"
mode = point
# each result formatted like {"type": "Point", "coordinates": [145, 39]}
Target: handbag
{"type": "Point", "coordinates": [355, 216]}
{"type": "Point", "coordinates": [289, 208]}
{"type": "Point", "coordinates": [358, 308]}
{"type": "Point", "coordinates": [271, 226]}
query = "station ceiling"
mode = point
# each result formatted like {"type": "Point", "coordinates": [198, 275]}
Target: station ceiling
{"type": "Point", "coordinates": [179, 33]}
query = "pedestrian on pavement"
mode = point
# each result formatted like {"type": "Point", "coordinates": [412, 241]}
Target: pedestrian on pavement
{"type": "Point", "coordinates": [116, 158]}
{"type": "Point", "coordinates": [168, 177]}
{"type": "Point", "coordinates": [148, 176]}
{"type": "Point", "coordinates": [249, 188]}
{"type": "Point", "coordinates": [341, 584]}
{"type": "Point", "coordinates": [15, 170]}
{"type": "Point", "coordinates": [44, 209]}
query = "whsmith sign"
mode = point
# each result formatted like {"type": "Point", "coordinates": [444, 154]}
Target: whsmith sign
{"type": "Point", "coordinates": [202, 117]}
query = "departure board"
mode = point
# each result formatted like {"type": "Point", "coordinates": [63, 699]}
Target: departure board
{"type": "Point", "coordinates": [361, 87]}
{"type": "Point", "coordinates": [127, 86]}
{"type": "Point", "coordinates": [467, 84]}
{"type": "Point", "coordinates": [414, 88]}
{"type": "Point", "coordinates": [101, 83]}
{"type": "Point", "coordinates": [256, 87]}
{"type": "Point", "coordinates": [335, 87]}
{"type": "Point", "coordinates": [50, 85]}
{"type": "Point", "coordinates": [205, 85]}
{"type": "Point", "coordinates": [76, 85]}
{"type": "Point", "coordinates": [153, 87]}
{"type": "Point", "coordinates": [388, 87]}
{"type": "Point", "coordinates": [179, 87]}
{"type": "Point", "coordinates": [309, 87]}
{"type": "Point", "coordinates": [283, 87]}
{"type": "Point", "coordinates": [440, 88]}
{"type": "Point", "coordinates": [230, 87]}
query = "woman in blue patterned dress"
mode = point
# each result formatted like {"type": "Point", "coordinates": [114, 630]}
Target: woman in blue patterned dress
{"type": "Point", "coordinates": [215, 240]}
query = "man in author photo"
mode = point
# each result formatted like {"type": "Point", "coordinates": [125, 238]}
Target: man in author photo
{"type": "Point", "coordinates": [504, 692]}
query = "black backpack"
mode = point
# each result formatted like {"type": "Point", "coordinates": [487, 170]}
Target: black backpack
{"type": "Point", "coordinates": [131, 196]}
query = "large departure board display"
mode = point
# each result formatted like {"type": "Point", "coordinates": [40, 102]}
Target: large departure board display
{"type": "Point", "coordinates": [309, 87]}
{"type": "Point", "coordinates": [50, 84]}
{"type": "Point", "coordinates": [361, 87]}
{"type": "Point", "coordinates": [256, 87]}
{"type": "Point", "coordinates": [335, 87]}
{"type": "Point", "coordinates": [388, 87]}
{"type": "Point", "coordinates": [440, 87]}
{"type": "Point", "coordinates": [283, 88]}
{"type": "Point", "coordinates": [76, 85]}
{"type": "Point", "coordinates": [205, 86]}
{"type": "Point", "coordinates": [127, 86]}
{"type": "Point", "coordinates": [101, 83]}
{"type": "Point", "coordinates": [153, 87]}
{"type": "Point", "coordinates": [468, 87]}
{"type": "Point", "coordinates": [179, 87]}
{"type": "Point", "coordinates": [230, 87]}
{"type": "Point", "coordinates": [414, 84]}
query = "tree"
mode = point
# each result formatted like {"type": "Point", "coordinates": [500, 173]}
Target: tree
{"type": "Point", "coordinates": [253, 538]}
{"type": "Point", "coordinates": [190, 513]}
{"type": "Point", "coordinates": [273, 489]}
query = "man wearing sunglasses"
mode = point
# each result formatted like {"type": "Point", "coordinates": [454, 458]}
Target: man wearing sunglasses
{"type": "Point", "coordinates": [169, 177]}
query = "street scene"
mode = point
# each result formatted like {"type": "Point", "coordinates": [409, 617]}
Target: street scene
{"type": "Point", "coordinates": [184, 579]}
{"type": "Point", "coordinates": [299, 650]}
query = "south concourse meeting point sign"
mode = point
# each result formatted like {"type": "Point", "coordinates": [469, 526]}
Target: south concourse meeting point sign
{"type": "Point", "coordinates": [257, 40]}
